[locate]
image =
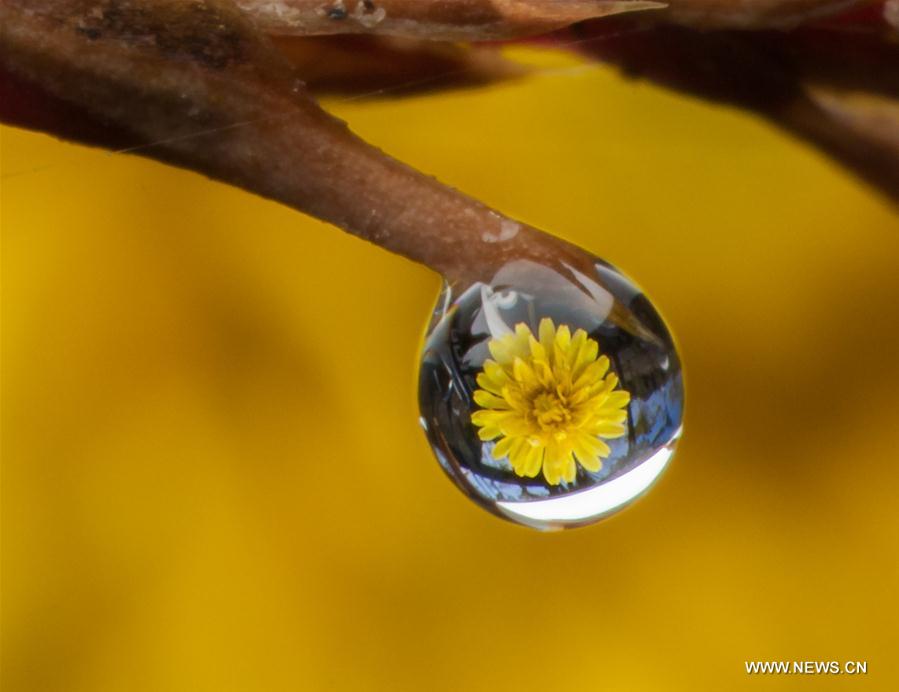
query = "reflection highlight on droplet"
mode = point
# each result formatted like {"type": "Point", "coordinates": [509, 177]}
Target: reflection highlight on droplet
{"type": "Point", "coordinates": [592, 504]}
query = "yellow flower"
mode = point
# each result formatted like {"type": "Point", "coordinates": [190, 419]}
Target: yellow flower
{"type": "Point", "coordinates": [548, 401]}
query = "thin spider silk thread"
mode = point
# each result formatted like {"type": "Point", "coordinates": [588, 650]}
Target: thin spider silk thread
{"type": "Point", "coordinates": [412, 83]}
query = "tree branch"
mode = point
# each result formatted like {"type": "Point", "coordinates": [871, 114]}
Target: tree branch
{"type": "Point", "coordinates": [193, 84]}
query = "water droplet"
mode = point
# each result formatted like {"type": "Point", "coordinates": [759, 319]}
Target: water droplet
{"type": "Point", "coordinates": [551, 394]}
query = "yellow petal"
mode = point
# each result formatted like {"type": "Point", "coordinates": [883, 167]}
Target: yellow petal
{"type": "Point", "coordinates": [563, 339]}
{"type": "Point", "coordinates": [503, 447]}
{"type": "Point", "coordinates": [519, 341]}
{"type": "Point", "coordinates": [502, 349]}
{"type": "Point", "coordinates": [578, 397]}
{"type": "Point", "coordinates": [591, 375]}
{"type": "Point", "coordinates": [485, 417]}
{"type": "Point", "coordinates": [599, 393]}
{"type": "Point", "coordinates": [488, 384]}
{"type": "Point", "coordinates": [555, 453]}
{"type": "Point", "coordinates": [618, 399]}
{"type": "Point", "coordinates": [495, 372]}
{"type": "Point", "coordinates": [516, 398]}
{"type": "Point", "coordinates": [547, 331]}
{"type": "Point", "coordinates": [485, 399]}
{"type": "Point", "coordinates": [516, 426]}
{"type": "Point", "coordinates": [578, 341]}
{"type": "Point", "coordinates": [533, 462]}
{"type": "Point", "coordinates": [537, 350]}
{"type": "Point", "coordinates": [587, 460]}
{"type": "Point", "coordinates": [611, 415]}
{"type": "Point", "coordinates": [488, 433]}
{"type": "Point", "coordinates": [523, 372]}
{"type": "Point", "coordinates": [551, 473]}
{"type": "Point", "coordinates": [590, 445]}
{"type": "Point", "coordinates": [544, 373]}
{"type": "Point", "coordinates": [608, 430]}
{"type": "Point", "coordinates": [569, 470]}
{"type": "Point", "coordinates": [518, 456]}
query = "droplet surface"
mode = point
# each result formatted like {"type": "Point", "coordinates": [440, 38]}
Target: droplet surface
{"type": "Point", "coordinates": [551, 394]}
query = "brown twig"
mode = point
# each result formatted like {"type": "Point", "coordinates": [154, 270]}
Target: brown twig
{"type": "Point", "coordinates": [194, 85]}
{"type": "Point", "coordinates": [377, 66]}
{"type": "Point", "coordinates": [837, 89]}
{"type": "Point", "coordinates": [753, 14]}
{"type": "Point", "coordinates": [461, 20]}
{"type": "Point", "coordinates": [477, 20]}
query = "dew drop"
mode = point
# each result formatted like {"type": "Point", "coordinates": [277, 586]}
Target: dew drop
{"type": "Point", "coordinates": [543, 401]}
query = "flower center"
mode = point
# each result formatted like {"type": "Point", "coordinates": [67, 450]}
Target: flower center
{"type": "Point", "coordinates": [550, 412]}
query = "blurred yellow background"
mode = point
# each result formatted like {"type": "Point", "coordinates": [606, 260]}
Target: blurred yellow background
{"type": "Point", "coordinates": [213, 475]}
